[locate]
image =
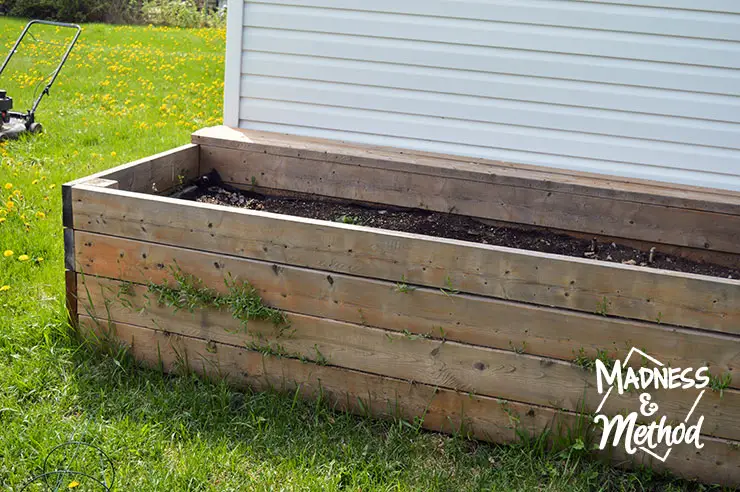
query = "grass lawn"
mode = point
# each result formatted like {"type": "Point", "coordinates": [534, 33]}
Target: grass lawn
{"type": "Point", "coordinates": [128, 92]}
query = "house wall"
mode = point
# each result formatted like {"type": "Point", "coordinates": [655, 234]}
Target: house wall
{"type": "Point", "coordinates": [639, 88]}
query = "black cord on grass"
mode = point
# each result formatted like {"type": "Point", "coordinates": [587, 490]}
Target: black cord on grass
{"type": "Point", "coordinates": [62, 471]}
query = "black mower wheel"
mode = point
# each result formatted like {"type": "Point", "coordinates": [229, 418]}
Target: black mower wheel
{"type": "Point", "coordinates": [36, 128]}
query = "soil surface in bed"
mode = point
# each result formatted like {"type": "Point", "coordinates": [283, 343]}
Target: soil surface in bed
{"type": "Point", "coordinates": [210, 189]}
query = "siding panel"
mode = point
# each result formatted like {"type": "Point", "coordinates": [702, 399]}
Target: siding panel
{"type": "Point", "coordinates": [496, 60]}
{"type": "Point", "coordinates": [525, 37]}
{"type": "Point", "coordinates": [623, 18]}
{"type": "Point", "coordinates": [622, 98]}
{"type": "Point", "coordinates": [493, 110]}
{"type": "Point", "coordinates": [500, 136]}
{"type": "Point", "coordinates": [647, 88]}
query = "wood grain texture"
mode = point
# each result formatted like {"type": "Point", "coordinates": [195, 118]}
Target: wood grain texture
{"type": "Point", "coordinates": [360, 393]}
{"type": "Point", "coordinates": [477, 320]}
{"type": "Point", "coordinates": [441, 363]}
{"type": "Point", "coordinates": [479, 198]}
{"type": "Point", "coordinates": [158, 173]}
{"type": "Point", "coordinates": [580, 284]}
{"type": "Point", "coordinates": [447, 165]}
{"type": "Point", "coordinates": [731, 260]}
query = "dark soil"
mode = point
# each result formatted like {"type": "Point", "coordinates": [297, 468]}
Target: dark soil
{"type": "Point", "coordinates": [209, 189]}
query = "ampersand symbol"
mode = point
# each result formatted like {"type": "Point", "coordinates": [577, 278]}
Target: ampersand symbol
{"type": "Point", "coordinates": [646, 408]}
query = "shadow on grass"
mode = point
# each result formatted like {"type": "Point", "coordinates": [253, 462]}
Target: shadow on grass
{"type": "Point", "coordinates": [168, 432]}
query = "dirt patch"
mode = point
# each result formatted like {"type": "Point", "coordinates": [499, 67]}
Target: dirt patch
{"type": "Point", "coordinates": [210, 189]}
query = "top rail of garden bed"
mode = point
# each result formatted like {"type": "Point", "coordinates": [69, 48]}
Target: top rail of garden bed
{"type": "Point", "coordinates": [702, 218]}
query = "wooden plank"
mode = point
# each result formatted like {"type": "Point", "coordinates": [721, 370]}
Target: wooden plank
{"type": "Point", "coordinates": [441, 363]}
{"type": "Point", "coordinates": [463, 167]}
{"type": "Point", "coordinates": [158, 173]}
{"type": "Point", "coordinates": [476, 198]}
{"type": "Point", "coordinates": [580, 284]}
{"type": "Point", "coordinates": [442, 410]}
{"type": "Point", "coordinates": [535, 330]}
{"type": "Point", "coordinates": [730, 260]}
{"type": "Point", "coordinates": [70, 288]}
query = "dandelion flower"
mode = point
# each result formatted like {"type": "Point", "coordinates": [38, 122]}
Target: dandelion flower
{"type": "Point", "coordinates": [8, 186]}
{"type": "Point", "coordinates": [41, 215]}
{"type": "Point", "coordinates": [2, 219]}
{"type": "Point", "coordinates": [113, 154]}
{"type": "Point", "coordinates": [10, 204]}
{"type": "Point", "coordinates": [7, 253]}
{"type": "Point", "coordinates": [35, 181]}
{"type": "Point", "coordinates": [4, 288]}
{"type": "Point", "coordinates": [39, 259]}
{"type": "Point", "coordinates": [23, 258]}
{"type": "Point", "coordinates": [52, 186]}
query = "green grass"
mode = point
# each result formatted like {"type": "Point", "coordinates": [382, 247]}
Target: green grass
{"type": "Point", "coordinates": [128, 92]}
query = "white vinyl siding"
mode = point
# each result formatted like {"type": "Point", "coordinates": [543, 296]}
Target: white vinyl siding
{"type": "Point", "coordinates": [642, 88]}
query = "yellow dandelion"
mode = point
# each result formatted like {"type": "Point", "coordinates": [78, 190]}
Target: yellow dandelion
{"type": "Point", "coordinates": [23, 258]}
{"type": "Point", "coordinates": [39, 259]}
{"type": "Point", "coordinates": [113, 154]}
{"type": "Point", "coordinates": [2, 219]}
{"type": "Point", "coordinates": [8, 253]}
{"type": "Point", "coordinates": [8, 186]}
{"type": "Point", "coordinates": [40, 215]}
{"type": "Point", "coordinates": [9, 205]}
{"type": "Point", "coordinates": [52, 186]}
{"type": "Point", "coordinates": [73, 484]}
{"type": "Point", "coordinates": [4, 288]}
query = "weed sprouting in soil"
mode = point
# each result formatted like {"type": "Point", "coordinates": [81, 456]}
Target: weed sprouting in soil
{"type": "Point", "coordinates": [602, 307]}
{"type": "Point", "coordinates": [188, 293]}
{"type": "Point", "coordinates": [349, 219]}
{"type": "Point", "coordinates": [246, 304]}
{"type": "Point", "coordinates": [720, 383]}
{"type": "Point", "coordinates": [519, 349]}
{"type": "Point", "coordinates": [449, 288]}
{"type": "Point", "coordinates": [242, 300]}
{"type": "Point", "coordinates": [589, 363]}
{"type": "Point", "coordinates": [403, 287]}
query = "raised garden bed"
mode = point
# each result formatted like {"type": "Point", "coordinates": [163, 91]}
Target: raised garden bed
{"type": "Point", "coordinates": [477, 338]}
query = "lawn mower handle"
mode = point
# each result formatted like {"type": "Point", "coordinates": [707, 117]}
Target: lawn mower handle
{"type": "Point", "coordinates": [61, 63]}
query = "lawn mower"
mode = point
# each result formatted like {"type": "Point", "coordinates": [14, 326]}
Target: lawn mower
{"type": "Point", "coordinates": [13, 123]}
